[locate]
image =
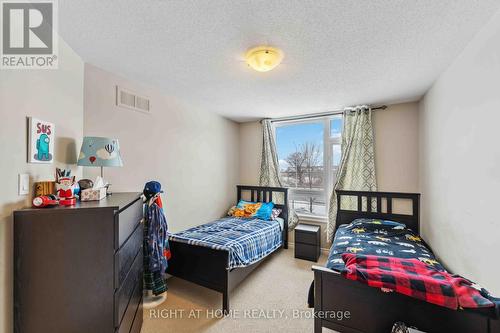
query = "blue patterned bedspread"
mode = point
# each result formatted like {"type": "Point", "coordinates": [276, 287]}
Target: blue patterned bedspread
{"type": "Point", "coordinates": [246, 239]}
{"type": "Point", "coordinates": [379, 238]}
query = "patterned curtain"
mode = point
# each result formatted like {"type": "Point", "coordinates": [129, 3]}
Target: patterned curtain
{"type": "Point", "coordinates": [357, 168]}
{"type": "Point", "coordinates": [269, 167]}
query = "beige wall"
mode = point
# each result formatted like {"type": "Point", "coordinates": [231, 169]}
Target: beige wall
{"type": "Point", "coordinates": [250, 141]}
{"type": "Point", "coordinates": [194, 154]}
{"type": "Point", "coordinates": [52, 95]}
{"type": "Point", "coordinates": [396, 148]}
{"type": "Point", "coordinates": [396, 152]}
{"type": "Point", "coordinates": [460, 161]}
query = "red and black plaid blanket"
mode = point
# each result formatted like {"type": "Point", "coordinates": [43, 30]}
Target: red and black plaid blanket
{"type": "Point", "coordinates": [414, 278]}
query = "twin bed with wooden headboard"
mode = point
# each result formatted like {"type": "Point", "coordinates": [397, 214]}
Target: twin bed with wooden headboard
{"type": "Point", "coordinates": [211, 264]}
{"type": "Point", "coordinates": [369, 309]}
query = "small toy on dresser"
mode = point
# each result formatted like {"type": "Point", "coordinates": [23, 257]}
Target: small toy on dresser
{"type": "Point", "coordinates": [49, 200]}
{"type": "Point", "coordinates": [66, 187]}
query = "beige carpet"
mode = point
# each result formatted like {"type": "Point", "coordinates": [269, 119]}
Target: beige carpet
{"type": "Point", "coordinates": [280, 283]}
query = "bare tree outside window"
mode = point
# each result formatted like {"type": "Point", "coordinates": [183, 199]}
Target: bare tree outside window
{"type": "Point", "coordinates": [308, 156]}
{"type": "Point", "coordinates": [295, 168]}
{"type": "Point", "coordinates": [305, 169]}
{"type": "Point", "coordinates": [311, 154]}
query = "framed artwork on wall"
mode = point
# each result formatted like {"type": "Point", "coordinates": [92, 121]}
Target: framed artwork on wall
{"type": "Point", "coordinates": [41, 136]}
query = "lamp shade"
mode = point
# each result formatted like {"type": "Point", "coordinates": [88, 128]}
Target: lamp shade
{"type": "Point", "coordinates": [100, 152]}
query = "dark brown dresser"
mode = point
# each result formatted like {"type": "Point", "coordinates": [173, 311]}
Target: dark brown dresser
{"type": "Point", "coordinates": [79, 269]}
{"type": "Point", "coordinates": [307, 241]}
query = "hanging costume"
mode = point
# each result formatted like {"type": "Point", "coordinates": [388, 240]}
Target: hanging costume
{"type": "Point", "coordinates": [156, 248]}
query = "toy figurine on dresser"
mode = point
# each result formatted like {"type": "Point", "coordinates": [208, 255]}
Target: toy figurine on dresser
{"type": "Point", "coordinates": [66, 187]}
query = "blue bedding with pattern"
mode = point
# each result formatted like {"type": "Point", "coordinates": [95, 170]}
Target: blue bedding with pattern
{"type": "Point", "coordinates": [379, 238]}
{"type": "Point", "coordinates": [384, 238]}
{"type": "Point", "coordinates": [246, 239]}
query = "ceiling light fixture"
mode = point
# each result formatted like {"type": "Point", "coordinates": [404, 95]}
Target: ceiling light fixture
{"type": "Point", "coordinates": [264, 58]}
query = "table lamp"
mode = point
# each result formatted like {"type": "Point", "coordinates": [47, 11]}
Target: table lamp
{"type": "Point", "coordinates": [100, 152]}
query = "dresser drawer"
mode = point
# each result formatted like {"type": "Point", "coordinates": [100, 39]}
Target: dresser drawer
{"type": "Point", "coordinates": [125, 256]}
{"type": "Point", "coordinates": [306, 237]}
{"type": "Point", "coordinates": [137, 325]}
{"type": "Point", "coordinates": [132, 308]}
{"type": "Point", "coordinates": [124, 293]}
{"type": "Point", "coordinates": [306, 251]}
{"type": "Point", "coordinates": [127, 220]}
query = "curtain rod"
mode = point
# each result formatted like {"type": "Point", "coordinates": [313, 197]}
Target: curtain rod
{"type": "Point", "coordinates": [322, 114]}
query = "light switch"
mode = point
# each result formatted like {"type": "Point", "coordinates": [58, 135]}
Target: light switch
{"type": "Point", "coordinates": [24, 184]}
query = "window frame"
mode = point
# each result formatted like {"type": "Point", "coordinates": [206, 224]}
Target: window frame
{"type": "Point", "coordinates": [328, 143]}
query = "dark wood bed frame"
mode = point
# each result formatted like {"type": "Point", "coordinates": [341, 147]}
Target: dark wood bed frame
{"type": "Point", "coordinates": [370, 309]}
{"type": "Point", "coordinates": [208, 267]}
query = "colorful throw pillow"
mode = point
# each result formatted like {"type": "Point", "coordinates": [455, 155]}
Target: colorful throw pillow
{"type": "Point", "coordinates": [260, 210]}
{"type": "Point", "coordinates": [231, 211]}
{"type": "Point", "coordinates": [275, 213]}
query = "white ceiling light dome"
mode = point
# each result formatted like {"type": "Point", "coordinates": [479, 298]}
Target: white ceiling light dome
{"type": "Point", "coordinates": [264, 58]}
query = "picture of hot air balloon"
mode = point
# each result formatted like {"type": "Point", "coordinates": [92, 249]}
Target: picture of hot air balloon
{"type": "Point", "coordinates": [108, 152]}
{"type": "Point", "coordinates": [110, 148]}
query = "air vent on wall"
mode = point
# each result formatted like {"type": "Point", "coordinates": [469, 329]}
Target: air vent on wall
{"type": "Point", "coordinates": [130, 100]}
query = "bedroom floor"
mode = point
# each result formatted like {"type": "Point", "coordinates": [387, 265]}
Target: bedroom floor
{"type": "Point", "coordinates": [280, 283]}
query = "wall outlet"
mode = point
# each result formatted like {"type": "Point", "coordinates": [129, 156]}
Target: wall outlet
{"type": "Point", "coordinates": [24, 184]}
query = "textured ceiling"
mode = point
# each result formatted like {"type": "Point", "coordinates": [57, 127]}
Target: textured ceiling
{"type": "Point", "coordinates": [337, 53]}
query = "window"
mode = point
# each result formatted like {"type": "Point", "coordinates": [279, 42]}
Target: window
{"type": "Point", "coordinates": [309, 155]}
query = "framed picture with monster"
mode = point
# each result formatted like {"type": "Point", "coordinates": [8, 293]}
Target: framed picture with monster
{"type": "Point", "coordinates": [41, 135]}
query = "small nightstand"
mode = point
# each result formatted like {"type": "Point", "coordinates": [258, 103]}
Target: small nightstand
{"type": "Point", "coordinates": [307, 241]}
